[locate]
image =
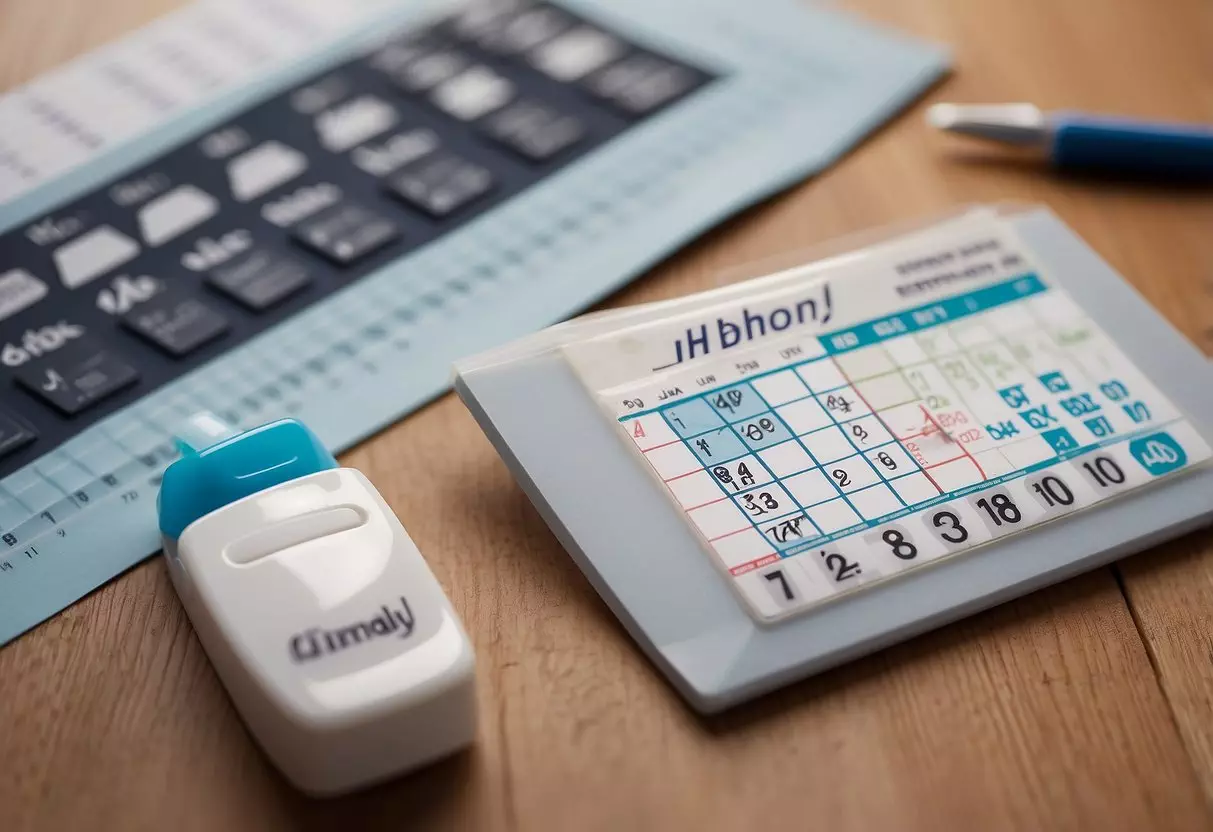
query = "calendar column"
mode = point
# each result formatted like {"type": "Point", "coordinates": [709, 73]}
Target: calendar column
{"type": "Point", "coordinates": [663, 439]}
{"type": "Point", "coordinates": [1008, 385]}
{"type": "Point", "coordinates": [875, 381]}
{"type": "Point", "coordinates": [704, 452]}
{"type": "Point", "coordinates": [1049, 406]}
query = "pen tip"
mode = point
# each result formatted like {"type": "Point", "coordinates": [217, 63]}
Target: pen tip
{"type": "Point", "coordinates": [1021, 124]}
{"type": "Point", "coordinates": [943, 116]}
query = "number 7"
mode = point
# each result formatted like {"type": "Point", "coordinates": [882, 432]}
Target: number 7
{"type": "Point", "coordinates": [778, 575]}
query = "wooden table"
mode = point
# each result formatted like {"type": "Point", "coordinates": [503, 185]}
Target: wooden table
{"type": "Point", "coordinates": [1085, 706]}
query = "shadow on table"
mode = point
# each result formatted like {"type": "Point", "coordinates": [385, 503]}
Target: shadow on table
{"type": "Point", "coordinates": [429, 798]}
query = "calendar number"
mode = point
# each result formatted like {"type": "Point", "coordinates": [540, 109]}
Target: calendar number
{"type": "Point", "coordinates": [1002, 510]}
{"type": "Point", "coordinates": [1105, 471]}
{"type": "Point", "coordinates": [838, 404]}
{"type": "Point", "coordinates": [1053, 491]}
{"type": "Point", "coordinates": [787, 530]}
{"type": "Point", "coordinates": [841, 476]}
{"type": "Point", "coordinates": [744, 477]}
{"type": "Point", "coordinates": [953, 531]}
{"type": "Point", "coordinates": [1138, 412]}
{"type": "Point", "coordinates": [760, 504]}
{"type": "Point", "coordinates": [757, 431]}
{"type": "Point", "coordinates": [839, 567]}
{"type": "Point", "coordinates": [780, 581]}
{"type": "Point", "coordinates": [729, 400]}
{"type": "Point", "coordinates": [902, 548]}
{"type": "Point", "coordinates": [886, 460]}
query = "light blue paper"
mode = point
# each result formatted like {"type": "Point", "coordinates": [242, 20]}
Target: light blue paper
{"type": "Point", "coordinates": [802, 86]}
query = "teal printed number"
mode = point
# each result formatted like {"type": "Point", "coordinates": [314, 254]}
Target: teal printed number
{"type": "Point", "coordinates": [1114, 391]}
{"type": "Point", "coordinates": [1002, 430]}
{"type": "Point", "coordinates": [1015, 397]}
{"type": "Point", "coordinates": [1138, 412]}
{"type": "Point", "coordinates": [1061, 440]}
{"type": "Point", "coordinates": [1100, 427]}
{"type": "Point", "coordinates": [1038, 417]}
{"type": "Point", "coordinates": [1080, 405]}
{"type": "Point", "coordinates": [1158, 453]}
{"type": "Point", "coordinates": [1055, 383]}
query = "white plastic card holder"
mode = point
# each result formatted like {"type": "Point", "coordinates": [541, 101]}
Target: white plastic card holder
{"type": "Point", "coordinates": [779, 475]}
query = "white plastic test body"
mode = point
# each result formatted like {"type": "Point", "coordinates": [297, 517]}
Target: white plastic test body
{"type": "Point", "coordinates": [332, 636]}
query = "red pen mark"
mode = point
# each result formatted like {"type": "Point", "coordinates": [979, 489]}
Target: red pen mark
{"type": "Point", "coordinates": [930, 427]}
{"type": "Point", "coordinates": [931, 419]}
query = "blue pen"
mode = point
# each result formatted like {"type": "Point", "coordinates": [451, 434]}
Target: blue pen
{"type": "Point", "coordinates": [1074, 141]}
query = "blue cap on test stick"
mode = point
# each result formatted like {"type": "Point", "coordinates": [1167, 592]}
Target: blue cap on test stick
{"type": "Point", "coordinates": [205, 481]}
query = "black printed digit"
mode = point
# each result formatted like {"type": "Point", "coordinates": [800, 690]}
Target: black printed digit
{"type": "Point", "coordinates": [903, 549]}
{"type": "Point", "coordinates": [955, 533]}
{"type": "Point", "coordinates": [777, 576]}
{"type": "Point", "coordinates": [1105, 472]}
{"type": "Point", "coordinates": [1054, 492]}
{"type": "Point", "coordinates": [743, 471]}
{"type": "Point", "coordinates": [728, 401]}
{"type": "Point", "coordinates": [1001, 509]}
{"type": "Point", "coordinates": [887, 461]}
{"type": "Point", "coordinates": [839, 567]}
{"type": "Point", "coordinates": [756, 431]}
{"type": "Point", "coordinates": [726, 478]}
{"type": "Point", "coordinates": [787, 530]}
{"type": "Point", "coordinates": [760, 504]}
{"type": "Point", "coordinates": [838, 404]}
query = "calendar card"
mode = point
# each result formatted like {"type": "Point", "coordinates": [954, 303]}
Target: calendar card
{"type": "Point", "coordinates": [849, 422]}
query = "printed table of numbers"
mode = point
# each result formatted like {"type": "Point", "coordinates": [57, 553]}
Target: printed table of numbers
{"type": "Point", "coordinates": [817, 465]}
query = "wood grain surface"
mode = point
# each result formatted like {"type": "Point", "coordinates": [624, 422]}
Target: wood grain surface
{"type": "Point", "coordinates": [1085, 706]}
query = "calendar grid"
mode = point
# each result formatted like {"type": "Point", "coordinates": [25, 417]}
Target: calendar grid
{"type": "Point", "coordinates": [816, 463]}
{"type": "Point", "coordinates": [726, 495]}
{"type": "Point", "coordinates": [877, 413]}
{"type": "Point", "coordinates": [839, 424]}
{"type": "Point", "coordinates": [815, 475]}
